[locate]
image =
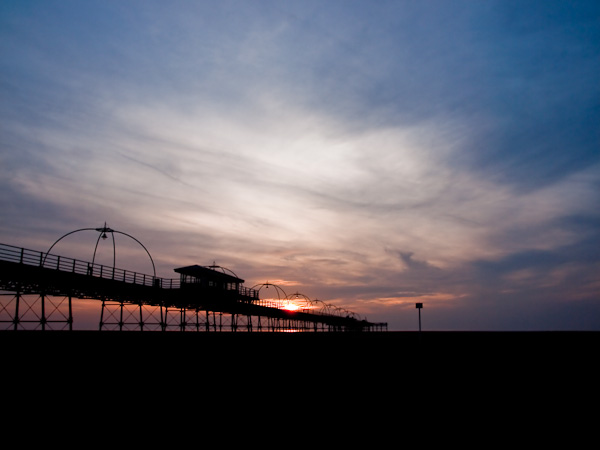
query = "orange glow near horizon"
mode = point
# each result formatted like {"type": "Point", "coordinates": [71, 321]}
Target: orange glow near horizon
{"type": "Point", "coordinates": [285, 304]}
{"type": "Point", "coordinates": [290, 307]}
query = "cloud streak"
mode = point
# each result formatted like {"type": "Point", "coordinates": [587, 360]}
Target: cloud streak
{"type": "Point", "coordinates": [374, 154]}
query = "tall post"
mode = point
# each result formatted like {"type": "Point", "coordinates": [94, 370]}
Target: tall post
{"type": "Point", "coordinates": [70, 314]}
{"type": "Point", "coordinates": [16, 318]}
{"type": "Point", "coordinates": [141, 318]}
{"type": "Point", "coordinates": [121, 316]}
{"type": "Point", "coordinates": [102, 315]}
{"type": "Point", "coordinates": [419, 307]}
{"type": "Point", "coordinates": [43, 319]}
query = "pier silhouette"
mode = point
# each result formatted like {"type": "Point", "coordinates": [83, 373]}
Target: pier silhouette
{"type": "Point", "coordinates": [38, 290]}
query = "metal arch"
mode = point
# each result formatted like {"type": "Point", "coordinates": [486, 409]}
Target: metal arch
{"type": "Point", "coordinates": [347, 313]}
{"type": "Point", "coordinates": [351, 314]}
{"type": "Point", "coordinates": [223, 269]}
{"type": "Point", "coordinates": [149, 255]}
{"type": "Point", "coordinates": [355, 315]}
{"type": "Point", "coordinates": [266, 286]}
{"type": "Point", "coordinates": [324, 309]}
{"type": "Point", "coordinates": [300, 296]}
{"type": "Point", "coordinates": [103, 232]}
{"type": "Point", "coordinates": [328, 309]}
{"type": "Point", "coordinates": [339, 311]}
{"type": "Point", "coordinates": [62, 237]}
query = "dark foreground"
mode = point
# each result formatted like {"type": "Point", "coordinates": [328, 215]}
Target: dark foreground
{"type": "Point", "coordinates": [299, 348]}
{"type": "Point", "coordinates": [317, 343]}
{"type": "Point", "coordinates": [322, 342]}
{"type": "Point", "coordinates": [401, 368]}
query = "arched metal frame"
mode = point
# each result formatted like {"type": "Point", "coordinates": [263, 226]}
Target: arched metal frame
{"type": "Point", "coordinates": [278, 289]}
{"type": "Point", "coordinates": [103, 235]}
{"type": "Point", "coordinates": [266, 286]}
{"type": "Point", "coordinates": [214, 266]}
{"type": "Point", "coordinates": [325, 308]}
{"type": "Point", "coordinates": [296, 298]}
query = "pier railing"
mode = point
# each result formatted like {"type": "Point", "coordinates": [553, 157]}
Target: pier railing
{"type": "Point", "coordinates": [50, 261]}
{"type": "Point", "coordinates": [64, 264]}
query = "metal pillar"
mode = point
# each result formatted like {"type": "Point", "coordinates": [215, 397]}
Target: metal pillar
{"type": "Point", "coordinates": [16, 316]}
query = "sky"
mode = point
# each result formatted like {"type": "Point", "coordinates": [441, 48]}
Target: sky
{"type": "Point", "coordinates": [367, 154]}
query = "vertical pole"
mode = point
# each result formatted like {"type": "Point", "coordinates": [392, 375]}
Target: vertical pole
{"type": "Point", "coordinates": [43, 319]}
{"type": "Point", "coordinates": [419, 307]}
{"type": "Point", "coordinates": [101, 316]}
{"type": "Point", "coordinates": [141, 318]}
{"type": "Point", "coordinates": [70, 314]}
{"type": "Point", "coordinates": [121, 317]}
{"type": "Point", "coordinates": [16, 318]}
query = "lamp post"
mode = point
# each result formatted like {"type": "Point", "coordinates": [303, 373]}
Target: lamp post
{"type": "Point", "coordinates": [419, 307]}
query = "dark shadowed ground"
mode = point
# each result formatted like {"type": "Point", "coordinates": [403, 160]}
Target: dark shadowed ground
{"type": "Point", "coordinates": [273, 351]}
{"type": "Point", "coordinates": [361, 376]}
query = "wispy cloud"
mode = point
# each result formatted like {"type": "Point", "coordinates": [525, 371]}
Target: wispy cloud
{"type": "Point", "coordinates": [374, 154]}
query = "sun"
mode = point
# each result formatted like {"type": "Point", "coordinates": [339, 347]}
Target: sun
{"type": "Point", "coordinates": [290, 307]}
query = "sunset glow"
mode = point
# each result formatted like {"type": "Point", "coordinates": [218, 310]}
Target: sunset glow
{"type": "Point", "coordinates": [290, 307]}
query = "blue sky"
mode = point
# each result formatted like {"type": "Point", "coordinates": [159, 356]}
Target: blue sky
{"type": "Point", "coordinates": [367, 154]}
